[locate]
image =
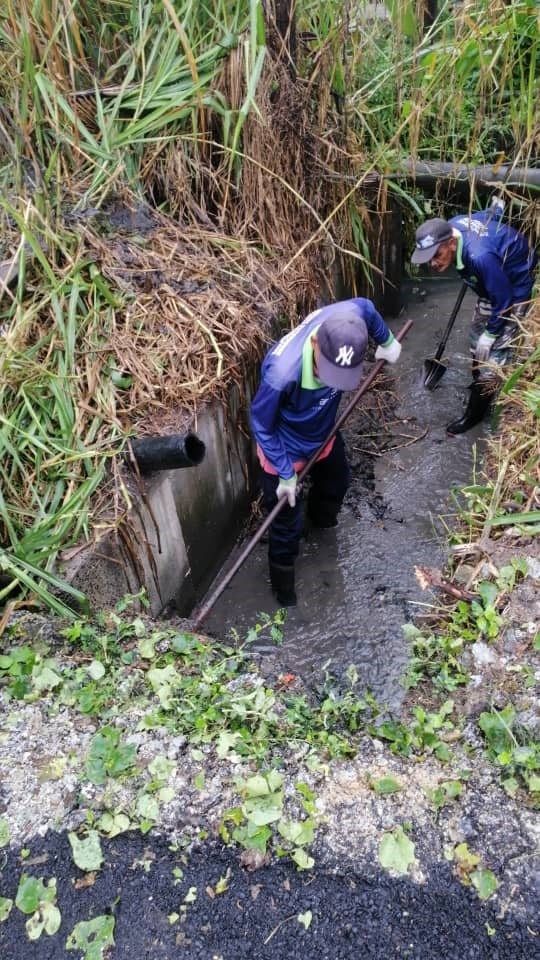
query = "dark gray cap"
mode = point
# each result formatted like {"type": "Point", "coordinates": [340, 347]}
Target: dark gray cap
{"type": "Point", "coordinates": [428, 237]}
{"type": "Point", "coordinates": [343, 339]}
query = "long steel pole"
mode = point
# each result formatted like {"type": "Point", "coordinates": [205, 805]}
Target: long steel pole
{"type": "Point", "coordinates": [202, 612]}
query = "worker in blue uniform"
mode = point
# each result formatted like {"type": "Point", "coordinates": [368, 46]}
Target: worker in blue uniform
{"type": "Point", "coordinates": [497, 262]}
{"type": "Point", "coordinates": [302, 378]}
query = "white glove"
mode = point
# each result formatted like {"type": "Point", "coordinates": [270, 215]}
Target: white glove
{"type": "Point", "coordinates": [389, 351]}
{"type": "Point", "coordinates": [287, 488]}
{"type": "Point", "coordinates": [483, 347]}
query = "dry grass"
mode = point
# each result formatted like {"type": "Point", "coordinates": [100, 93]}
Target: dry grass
{"type": "Point", "coordinates": [198, 312]}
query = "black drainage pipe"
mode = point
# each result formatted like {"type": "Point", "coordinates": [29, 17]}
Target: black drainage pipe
{"type": "Point", "coordinates": [168, 452]}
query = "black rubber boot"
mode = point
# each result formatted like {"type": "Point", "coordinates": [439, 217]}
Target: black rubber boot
{"type": "Point", "coordinates": [282, 581]}
{"type": "Point", "coordinates": [477, 407]}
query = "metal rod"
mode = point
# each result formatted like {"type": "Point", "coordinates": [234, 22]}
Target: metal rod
{"type": "Point", "coordinates": [203, 611]}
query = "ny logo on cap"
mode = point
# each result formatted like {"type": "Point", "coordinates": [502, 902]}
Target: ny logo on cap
{"type": "Point", "coordinates": [426, 242]}
{"type": "Point", "coordinates": [345, 356]}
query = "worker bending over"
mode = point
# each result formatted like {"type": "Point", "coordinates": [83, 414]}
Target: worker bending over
{"type": "Point", "coordinates": [295, 408]}
{"type": "Point", "coordinates": [498, 264]}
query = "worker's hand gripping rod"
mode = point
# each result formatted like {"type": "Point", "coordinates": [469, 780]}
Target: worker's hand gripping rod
{"type": "Point", "coordinates": [200, 615]}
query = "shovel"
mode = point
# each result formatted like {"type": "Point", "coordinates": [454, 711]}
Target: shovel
{"type": "Point", "coordinates": [434, 369]}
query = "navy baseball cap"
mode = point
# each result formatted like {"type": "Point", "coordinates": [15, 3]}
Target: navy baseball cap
{"type": "Point", "coordinates": [428, 237]}
{"type": "Point", "coordinates": [343, 339]}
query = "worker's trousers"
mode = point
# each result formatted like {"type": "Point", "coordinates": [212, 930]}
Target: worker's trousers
{"type": "Point", "coordinates": [329, 479]}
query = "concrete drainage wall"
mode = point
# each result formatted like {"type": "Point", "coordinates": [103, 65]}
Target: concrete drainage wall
{"type": "Point", "coordinates": [181, 527]}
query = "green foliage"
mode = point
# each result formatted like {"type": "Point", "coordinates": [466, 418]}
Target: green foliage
{"type": "Point", "coordinates": [6, 906]}
{"type": "Point", "coordinates": [446, 791]}
{"type": "Point", "coordinates": [94, 937]}
{"type": "Point", "coordinates": [108, 757]}
{"type": "Point", "coordinates": [396, 851]}
{"type": "Point", "coordinates": [87, 99]}
{"type": "Point", "coordinates": [210, 692]}
{"type": "Point", "coordinates": [423, 735]}
{"type": "Point", "coordinates": [86, 850]}
{"type": "Point", "coordinates": [438, 656]}
{"type": "Point", "coordinates": [38, 899]}
{"type": "Point", "coordinates": [469, 870]}
{"type": "Point", "coordinates": [511, 747]}
{"type": "Point", "coordinates": [214, 695]}
{"type": "Point", "coordinates": [403, 13]}
{"type": "Point", "coordinates": [385, 785]}
{"type": "Point", "coordinates": [261, 821]}
{"type": "Point", "coordinates": [16, 667]}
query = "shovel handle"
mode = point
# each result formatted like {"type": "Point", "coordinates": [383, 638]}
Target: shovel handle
{"type": "Point", "coordinates": [451, 321]}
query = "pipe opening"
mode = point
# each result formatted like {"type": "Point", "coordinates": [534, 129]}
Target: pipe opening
{"type": "Point", "coordinates": [168, 452]}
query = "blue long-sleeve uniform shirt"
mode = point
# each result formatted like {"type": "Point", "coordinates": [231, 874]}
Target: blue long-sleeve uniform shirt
{"type": "Point", "coordinates": [291, 415]}
{"type": "Point", "coordinates": [496, 262]}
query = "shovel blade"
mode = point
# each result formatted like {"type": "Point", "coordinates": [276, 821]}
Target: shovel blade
{"type": "Point", "coordinates": [434, 370]}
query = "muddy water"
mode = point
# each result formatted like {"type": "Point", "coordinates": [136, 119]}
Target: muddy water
{"type": "Point", "coordinates": [356, 584]}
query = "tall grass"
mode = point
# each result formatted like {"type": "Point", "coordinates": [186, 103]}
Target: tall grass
{"type": "Point", "coordinates": [190, 107]}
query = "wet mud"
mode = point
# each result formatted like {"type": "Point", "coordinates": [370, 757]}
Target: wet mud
{"type": "Point", "coordinates": [356, 584]}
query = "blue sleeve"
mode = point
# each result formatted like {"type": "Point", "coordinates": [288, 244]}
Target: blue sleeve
{"type": "Point", "coordinates": [375, 324]}
{"type": "Point", "coordinates": [264, 415]}
{"type": "Point", "coordinates": [498, 288]}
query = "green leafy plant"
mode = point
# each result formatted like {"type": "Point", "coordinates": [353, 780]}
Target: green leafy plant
{"type": "Point", "coordinates": [385, 785]}
{"type": "Point", "coordinates": [38, 899]}
{"type": "Point", "coordinates": [93, 937]}
{"type": "Point", "coordinates": [511, 747]}
{"type": "Point", "coordinates": [6, 906]}
{"type": "Point", "coordinates": [260, 820]}
{"type": "Point", "coordinates": [470, 871]}
{"type": "Point", "coordinates": [423, 735]}
{"type": "Point", "coordinates": [86, 850]}
{"type": "Point", "coordinates": [108, 757]}
{"type": "Point", "coordinates": [396, 851]}
{"type": "Point", "coordinates": [486, 618]}
{"type": "Point", "coordinates": [437, 656]}
{"type": "Point", "coordinates": [446, 791]}
{"type": "Point", "coordinates": [16, 668]}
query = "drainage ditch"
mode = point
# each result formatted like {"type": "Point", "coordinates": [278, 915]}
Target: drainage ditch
{"type": "Point", "coordinates": [356, 584]}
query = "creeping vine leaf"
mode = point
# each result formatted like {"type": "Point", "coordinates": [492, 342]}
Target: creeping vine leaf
{"type": "Point", "coordinates": [38, 899]}
{"type": "Point", "coordinates": [5, 908]}
{"type": "Point", "coordinates": [385, 785]}
{"type": "Point", "coordinates": [94, 937]}
{"type": "Point", "coordinates": [87, 851]}
{"type": "Point", "coordinates": [485, 882]}
{"type": "Point", "coordinates": [396, 851]}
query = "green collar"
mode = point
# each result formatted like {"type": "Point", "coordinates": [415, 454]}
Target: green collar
{"type": "Point", "coordinates": [309, 380]}
{"type": "Point", "coordinates": [459, 250]}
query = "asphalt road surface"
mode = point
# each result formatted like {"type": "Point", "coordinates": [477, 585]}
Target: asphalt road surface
{"type": "Point", "coordinates": [160, 914]}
